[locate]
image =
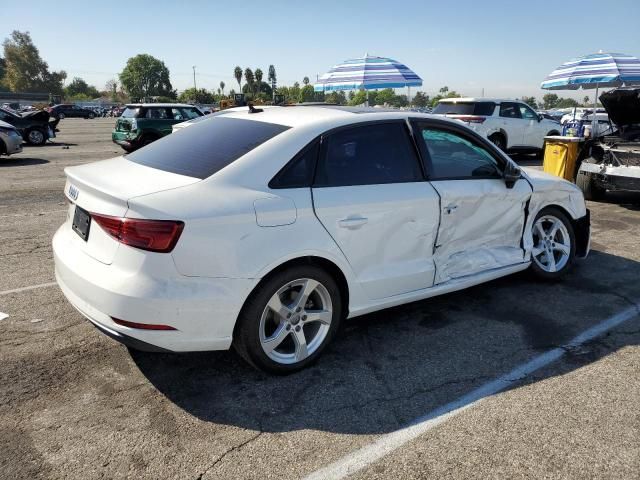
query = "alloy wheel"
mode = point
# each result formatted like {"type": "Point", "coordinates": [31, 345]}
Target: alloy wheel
{"type": "Point", "coordinates": [296, 321]}
{"type": "Point", "coordinates": [552, 244]}
{"type": "Point", "coordinates": [36, 137]}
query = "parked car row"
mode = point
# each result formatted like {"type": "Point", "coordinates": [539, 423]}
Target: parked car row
{"type": "Point", "coordinates": [35, 127]}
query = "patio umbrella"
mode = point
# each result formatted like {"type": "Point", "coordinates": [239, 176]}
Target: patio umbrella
{"type": "Point", "coordinates": [595, 71]}
{"type": "Point", "coordinates": [368, 72]}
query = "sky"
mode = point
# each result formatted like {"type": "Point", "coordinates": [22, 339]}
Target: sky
{"type": "Point", "coordinates": [503, 47]}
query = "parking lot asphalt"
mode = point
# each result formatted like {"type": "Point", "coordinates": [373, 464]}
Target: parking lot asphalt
{"type": "Point", "coordinates": [75, 404]}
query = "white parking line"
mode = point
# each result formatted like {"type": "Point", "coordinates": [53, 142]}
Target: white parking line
{"type": "Point", "coordinates": [30, 287]}
{"type": "Point", "coordinates": [389, 442]}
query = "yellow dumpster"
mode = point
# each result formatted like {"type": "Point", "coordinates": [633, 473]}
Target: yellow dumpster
{"type": "Point", "coordinates": [560, 155]}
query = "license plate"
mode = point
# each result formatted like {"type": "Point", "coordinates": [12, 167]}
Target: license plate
{"type": "Point", "coordinates": [81, 223]}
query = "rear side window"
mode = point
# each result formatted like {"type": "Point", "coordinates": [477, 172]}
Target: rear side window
{"type": "Point", "coordinates": [156, 113]}
{"type": "Point", "coordinates": [206, 147]}
{"type": "Point", "coordinates": [465, 108]}
{"type": "Point", "coordinates": [299, 172]}
{"type": "Point", "coordinates": [510, 110]}
{"type": "Point", "coordinates": [368, 155]}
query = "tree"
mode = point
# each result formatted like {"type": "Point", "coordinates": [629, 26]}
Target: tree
{"type": "Point", "coordinates": [222, 85]}
{"type": "Point", "coordinates": [3, 66]}
{"type": "Point", "coordinates": [550, 100]}
{"type": "Point", "coordinates": [237, 72]}
{"type": "Point", "coordinates": [306, 94]}
{"type": "Point", "coordinates": [24, 69]}
{"type": "Point", "coordinates": [531, 101]}
{"type": "Point", "coordinates": [145, 76]}
{"type": "Point", "coordinates": [567, 103]}
{"type": "Point", "coordinates": [420, 99]}
{"type": "Point", "coordinates": [192, 95]}
{"type": "Point", "coordinates": [249, 78]}
{"type": "Point", "coordinates": [305, 81]}
{"type": "Point", "coordinates": [585, 100]}
{"type": "Point", "coordinates": [272, 77]}
{"type": "Point", "coordinates": [443, 91]}
{"type": "Point", "coordinates": [359, 97]}
{"type": "Point", "coordinates": [385, 96]}
{"type": "Point", "coordinates": [258, 75]}
{"type": "Point", "coordinates": [338, 98]}
{"type": "Point", "coordinates": [79, 88]}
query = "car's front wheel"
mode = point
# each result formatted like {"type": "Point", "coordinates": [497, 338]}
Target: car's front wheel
{"type": "Point", "coordinates": [61, 116]}
{"type": "Point", "coordinates": [289, 320]}
{"type": "Point", "coordinates": [554, 244]}
{"type": "Point", "coordinates": [36, 137]}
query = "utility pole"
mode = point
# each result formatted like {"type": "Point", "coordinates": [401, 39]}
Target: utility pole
{"type": "Point", "coordinates": [195, 89]}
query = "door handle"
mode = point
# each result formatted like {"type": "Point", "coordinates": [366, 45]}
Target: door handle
{"type": "Point", "coordinates": [449, 209]}
{"type": "Point", "coordinates": [352, 222]}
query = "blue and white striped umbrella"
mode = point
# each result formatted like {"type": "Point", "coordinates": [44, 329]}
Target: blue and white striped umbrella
{"type": "Point", "coordinates": [367, 73]}
{"type": "Point", "coordinates": [598, 70]}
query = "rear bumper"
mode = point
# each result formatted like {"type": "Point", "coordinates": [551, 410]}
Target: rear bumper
{"type": "Point", "coordinates": [125, 140]}
{"type": "Point", "coordinates": [146, 288]}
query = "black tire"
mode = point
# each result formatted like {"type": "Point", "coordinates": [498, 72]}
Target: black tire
{"type": "Point", "coordinates": [91, 116]}
{"type": "Point", "coordinates": [590, 190]}
{"type": "Point", "coordinates": [61, 116]}
{"type": "Point", "coordinates": [553, 133]}
{"type": "Point", "coordinates": [247, 335]}
{"type": "Point", "coordinates": [36, 137]}
{"type": "Point", "coordinates": [147, 139]}
{"type": "Point", "coordinates": [537, 269]}
{"type": "Point", "coordinates": [499, 141]}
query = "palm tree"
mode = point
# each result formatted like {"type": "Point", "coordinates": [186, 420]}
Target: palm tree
{"type": "Point", "coordinates": [272, 78]}
{"type": "Point", "coordinates": [444, 90]}
{"type": "Point", "coordinates": [237, 72]}
{"type": "Point", "coordinates": [258, 74]}
{"type": "Point", "coordinates": [305, 80]}
{"type": "Point", "coordinates": [222, 87]}
{"type": "Point", "coordinates": [249, 78]}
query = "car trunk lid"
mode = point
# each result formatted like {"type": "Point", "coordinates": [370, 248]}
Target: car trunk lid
{"type": "Point", "coordinates": [105, 188]}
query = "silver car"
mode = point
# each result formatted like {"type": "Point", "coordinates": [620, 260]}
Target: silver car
{"type": "Point", "coordinates": [10, 139]}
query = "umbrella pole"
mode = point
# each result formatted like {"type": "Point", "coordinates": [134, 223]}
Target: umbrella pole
{"type": "Point", "coordinates": [593, 120]}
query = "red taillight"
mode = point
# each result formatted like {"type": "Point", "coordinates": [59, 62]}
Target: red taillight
{"type": "Point", "coordinates": [142, 326]}
{"type": "Point", "coordinates": [153, 235]}
{"type": "Point", "coordinates": [469, 118]}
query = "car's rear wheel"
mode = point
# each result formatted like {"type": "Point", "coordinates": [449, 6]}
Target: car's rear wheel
{"type": "Point", "coordinates": [289, 320]}
{"type": "Point", "coordinates": [590, 190]}
{"type": "Point", "coordinates": [36, 137]}
{"type": "Point", "coordinates": [92, 115]}
{"type": "Point", "coordinates": [61, 116]}
{"type": "Point", "coordinates": [498, 140]}
{"type": "Point", "coordinates": [554, 244]}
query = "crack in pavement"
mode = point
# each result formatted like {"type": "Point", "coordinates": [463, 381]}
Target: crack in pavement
{"type": "Point", "coordinates": [231, 450]}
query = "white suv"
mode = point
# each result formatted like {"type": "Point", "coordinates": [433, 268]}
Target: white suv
{"type": "Point", "coordinates": [509, 124]}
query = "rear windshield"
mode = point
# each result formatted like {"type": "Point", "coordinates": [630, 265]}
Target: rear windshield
{"type": "Point", "coordinates": [130, 112]}
{"type": "Point", "coordinates": [467, 108]}
{"type": "Point", "coordinates": [206, 147]}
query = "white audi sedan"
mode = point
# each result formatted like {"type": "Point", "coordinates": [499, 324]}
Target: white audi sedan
{"type": "Point", "coordinates": [265, 229]}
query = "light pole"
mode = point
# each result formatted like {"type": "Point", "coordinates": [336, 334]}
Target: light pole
{"type": "Point", "coordinates": [195, 89]}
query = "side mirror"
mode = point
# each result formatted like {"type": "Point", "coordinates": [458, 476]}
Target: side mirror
{"type": "Point", "coordinates": [512, 173]}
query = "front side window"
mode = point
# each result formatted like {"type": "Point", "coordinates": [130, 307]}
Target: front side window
{"type": "Point", "coordinates": [368, 155]}
{"type": "Point", "coordinates": [509, 110]}
{"type": "Point", "coordinates": [455, 157]}
{"type": "Point", "coordinates": [527, 113]}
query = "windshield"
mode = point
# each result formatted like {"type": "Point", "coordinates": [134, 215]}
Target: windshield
{"type": "Point", "coordinates": [130, 112]}
{"type": "Point", "coordinates": [206, 147]}
{"type": "Point", "coordinates": [466, 108]}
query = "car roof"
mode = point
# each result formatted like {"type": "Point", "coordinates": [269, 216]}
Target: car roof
{"type": "Point", "coordinates": [303, 115]}
{"type": "Point", "coordinates": [161, 105]}
{"type": "Point", "coordinates": [475, 99]}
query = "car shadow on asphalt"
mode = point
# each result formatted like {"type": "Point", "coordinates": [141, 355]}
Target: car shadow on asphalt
{"type": "Point", "coordinates": [21, 161]}
{"type": "Point", "coordinates": [387, 368]}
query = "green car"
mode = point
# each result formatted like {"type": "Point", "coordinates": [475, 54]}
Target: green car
{"type": "Point", "coordinates": [143, 123]}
